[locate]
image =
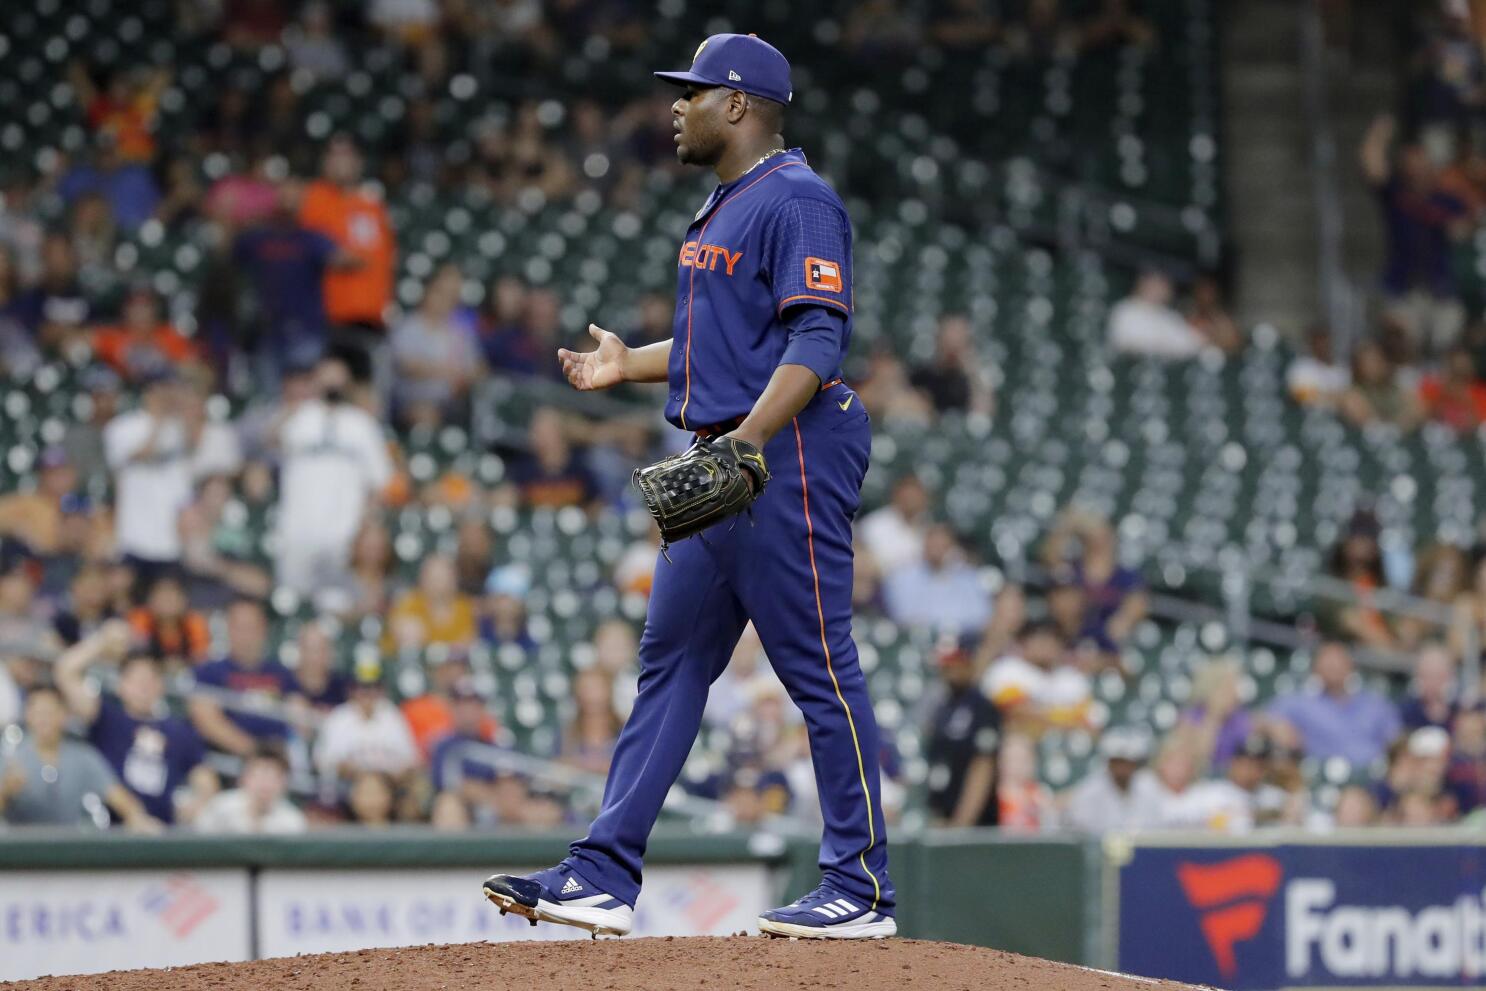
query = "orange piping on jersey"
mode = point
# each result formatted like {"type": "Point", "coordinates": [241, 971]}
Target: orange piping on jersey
{"type": "Point", "coordinates": [850, 722]}
{"type": "Point", "coordinates": [819, 299]}
{"type": "Point", "coordinates": [691, 280]}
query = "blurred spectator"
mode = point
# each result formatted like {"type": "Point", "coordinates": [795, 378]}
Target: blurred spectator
{"type": "Point", "coordinates": [371, 799]}
{"type": "Point", "coordinates": [434, 714]}
{"type": "Point", "coordinates": [167, 627]}
{"type": "Point", "coordinates": [1208, 315]}
{"type": "Point", "coordinates": [320, 687]}
{"type": "Point", "coordinates": [460, 753]}
{"type": "Point", "coordinates": [312, 44]}
{"type": "Point", "coordinates": [954, 380]}
{"type": "Point", "coordinates": [215, 560]}
{"type": "Point", "coordinates": [35, 518]}
{"type": "Point", "coordinates": [83, 441]}
{"type": "Point", "coordinates": [125, 188]}
{"type": "Point", "coordinates": [356, 298]}
{"type": "Point", "coordinates": [142, 343]}
{"type": "Point", "coordinates": [963, 737]}
{"type": "Point", "coordinates": [942, 592]}
{"type": "Point", "coordinates": [1455, 396]}
{"type": "Point", "coordinates": [52, 780]}
{"type": "Point", "coordinates": [54, 308]}
{"type": "Point", "coordinates": [149, 451]}
{"type": "Point", "coordinates": [1413, 792]}
{"type": "Point", "coordinates": [1334, 715]}
{"type": "Point", "coordinates": [1026, 804]}
{"type": "Point", "coordinates": [434, 353]}
{"type": "Point", "coordinates": [1145, 322]}
{"type": "Point", "coordinates": [371, 568]}
{"type": "Point", "coordinates": [1113, 596]}
{"type": "Point", "coordinates": [285, 265]}
{"type": "Point", "coordinates": [366, 733]}
{"type": "Point", "coordinates": [1035, 686]}
{"type": "Point", "coordinates": [657, 320]}
{"type": "Point", "coordinates": [1217, 717]}
{"type": "Point", "coordinates": [23, 630]}
{"type": "Point", "coordinates": [731, 693]}
{"type": "Point", "coordinates": [1182, 801]}
{"type": "Point", "coordinates": [435, 612]}
{"type": "Point", "coordinates": [157, 755]}
{"type": "Point", "coordinates": [124, 109]}
{"type": "Point", "coordinates": [552, 474]}
{"type": "Point", "coordinates": [1441, 572]}
{"type": "Point", "coordinates": [334, 469]}
{"type": "Point", "coordinates": [503, 615]}
{"type": "Point", "coordinates": [1355, 807]}
{"type": "Point", "coordinates": [239, 704]}
{"type": "Point", "coordinates": [1117, 796]}
{"type": "Point", "coordinates": [1432, 691]}
{"type": "Point", "coordinates": [887, 394]}
{"type": "Point", "coordinates": [474, 552]}
{"type": "Point", "coordinates": [1357, 559]}
{"type": "Point", "coordinates": [519, 333]}
{"type": "Point", "coordinates": [1466, 775]}
{"type": "Point", "coordinates": [1316, 378]}
{"type": "Point", "coordinates": [894, 534]}
{"type": "Point", "coordinates": [589, 739]}
{"type": "Point", "coordinates": [259, 805]}
{"type": "Point", "coordinates": [86, 606]}
{"type": "Point", "coordinates": [1419, 220]}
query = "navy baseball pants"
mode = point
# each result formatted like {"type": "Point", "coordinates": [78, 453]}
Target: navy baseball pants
{"type": "Point", "coordinates": [791, 574]}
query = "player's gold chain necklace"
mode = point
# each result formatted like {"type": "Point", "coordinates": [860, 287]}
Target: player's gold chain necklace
{"type": "Point", "coordinates": [767, 155]}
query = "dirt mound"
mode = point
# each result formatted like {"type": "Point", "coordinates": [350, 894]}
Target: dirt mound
{"type": "Point", "coordinates": [747, 963]}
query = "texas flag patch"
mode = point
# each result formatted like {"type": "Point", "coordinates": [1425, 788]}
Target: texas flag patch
{"type": "Point", "coordinates": [822, 274]}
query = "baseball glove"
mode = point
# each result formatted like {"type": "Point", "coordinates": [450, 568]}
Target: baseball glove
{"type": "Point", "coordinates": [708, 483]}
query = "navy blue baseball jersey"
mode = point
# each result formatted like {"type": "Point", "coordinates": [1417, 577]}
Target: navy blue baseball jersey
{"type": "Point", "coordinates": [765, 280]}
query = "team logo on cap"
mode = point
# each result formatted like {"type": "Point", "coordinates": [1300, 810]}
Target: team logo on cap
{"type": "Point", "coordinates": [733, 77]}
{"type": "Point", "coordinates": [822, 274]}
{"type": "Point", "coordinates": [699, 50]}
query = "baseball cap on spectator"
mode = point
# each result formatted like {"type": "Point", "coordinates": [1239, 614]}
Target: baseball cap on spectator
{"type": "Point", "coordinates": [1125, 743]}
{"type": "Point", "coordinates": [952, 651]}
{"type": "Point", "coordinates": [511, 580]}
{"type": "Point", "coordinates": [367, 674]}
{"type": "Point", "coordinates": [101, 378]}
{"type": "Point", "coordinates": [1256, 746]}
{"type": "Point", "coordinates": [465, 689]}
{"type": "Point", "coordinates": [161, 373]}
{"type": "Point", "coordinates": [738, 61]}
{"type": "Point", "coordinates": [75, 504]}
{"type": "Point", "coordinates": [53, 456]}
{"type": "Point", "coordinates": [1429, 741]}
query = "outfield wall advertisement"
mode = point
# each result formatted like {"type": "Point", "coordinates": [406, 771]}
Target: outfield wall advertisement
{"type": "Point", "coordinates": [1302, 915]}
{"type": "Point", "coordinates": [328, 911]}
{"type": "Point", "coordinates": [87, 922]}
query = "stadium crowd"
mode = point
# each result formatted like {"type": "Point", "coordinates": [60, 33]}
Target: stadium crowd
{"type": "Point", "coordinates": [144, 683]}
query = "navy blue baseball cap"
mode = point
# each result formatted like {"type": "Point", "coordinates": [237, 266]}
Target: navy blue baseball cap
{"type": "Point", "coordinates": [738, 61]}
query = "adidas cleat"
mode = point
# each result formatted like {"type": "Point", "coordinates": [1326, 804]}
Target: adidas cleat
{"type": "Point", "coordinates": [560, 896]}
{"type": "Point", "coordinates": [827, 914]}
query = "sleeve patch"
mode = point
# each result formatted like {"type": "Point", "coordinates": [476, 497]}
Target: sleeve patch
{"type": "Point", "coordinates": [822, 274]}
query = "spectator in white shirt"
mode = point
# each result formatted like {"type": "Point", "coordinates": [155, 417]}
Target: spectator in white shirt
{"type": "Point", "coordinates": [895, 533]}
{"type": "Point", "coordinates": [1316, 378]}
{"type": "Point", "coordinates": [367, 733]}
{"type": "Point", "coordinates": [1115, 797]}
{"type": "Point", "coordinates": [1035, 685]}
{"type": "Point", "coordinates": [1145, 322]}
{"type": "Point", "coordinates": [334, 467]}
{"type": "Point", "coordinates": [258, 804]}
{"type": "Point", "coordinates": [150, 452]}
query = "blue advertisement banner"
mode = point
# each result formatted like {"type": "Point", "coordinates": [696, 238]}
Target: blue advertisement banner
{"type": "Point", "coordinates": [1304, 916]}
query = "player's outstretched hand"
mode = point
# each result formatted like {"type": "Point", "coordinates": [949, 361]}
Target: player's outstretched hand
{"type": "Point", "coordinates": [601, 368]}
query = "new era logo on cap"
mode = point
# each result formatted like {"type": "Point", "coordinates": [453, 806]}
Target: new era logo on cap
{"type": "Point", "coordinates": [742, 61]}
{"type": "Point", "coordinates": [734, 77]}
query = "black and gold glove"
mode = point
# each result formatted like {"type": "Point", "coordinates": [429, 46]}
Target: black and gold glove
{"type": "Point", "coordinates": [708, 483]}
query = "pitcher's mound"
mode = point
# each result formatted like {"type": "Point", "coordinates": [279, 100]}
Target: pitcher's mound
{"type": "Point", "coordinates": [747, 963]}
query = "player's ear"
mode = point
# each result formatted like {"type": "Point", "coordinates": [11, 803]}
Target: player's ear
{"type": "Point", "coordinates": [737, 106]}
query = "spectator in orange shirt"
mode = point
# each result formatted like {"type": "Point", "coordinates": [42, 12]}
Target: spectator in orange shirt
{"type": "Point", "coordinates": [142, 343]}
{"type": "Point", "coordinates": [1454, 396]}
{"type": "Point", "coordinates": [431, 716]}
{"type": "Point", "coordinates": [126, 108]}
{"type": "Point", "coordinates": [356, 298]}
{"type": "Point", "coordinates": [168, 627]}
